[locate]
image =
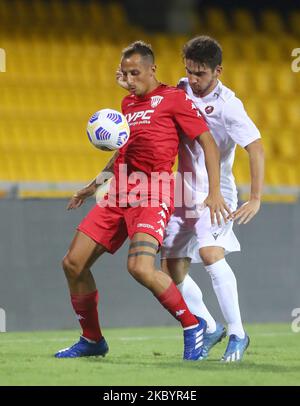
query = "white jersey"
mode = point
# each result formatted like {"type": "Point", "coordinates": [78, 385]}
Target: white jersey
{"type": "Point", "coordinates": [230, 125]}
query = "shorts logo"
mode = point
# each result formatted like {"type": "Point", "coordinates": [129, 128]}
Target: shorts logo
{"type": "Point", "coordinates": [215, 235]}
{"type": "Point", "coordinates": [161, 222]}
{"type": "Point", "coordinates": [155, 100]}
{"type": "Point", "coordinates": [165, 207]}
{"type": "Point", "coordinates": [145, 225]}
{"type": "Point", "coordinates": [162, 214]}
{"type": "Point", "coordinates": [160, 232]}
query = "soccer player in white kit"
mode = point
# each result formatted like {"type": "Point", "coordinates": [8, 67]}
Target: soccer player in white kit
{"type": "Point", "coordinates": [192, 235]}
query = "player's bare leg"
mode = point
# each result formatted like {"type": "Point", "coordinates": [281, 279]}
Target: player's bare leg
{"type": "Point", "coordinates": [178, 269]}
{"type": "Point", "coordinates": [225, 287]}
{"type": "Point", "coordinates": [83, 252]}
{"type": "Point", "coordinates": [141, 265]}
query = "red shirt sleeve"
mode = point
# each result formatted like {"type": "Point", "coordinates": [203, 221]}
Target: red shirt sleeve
{"type": "Point", "coordinates": [187, 115]}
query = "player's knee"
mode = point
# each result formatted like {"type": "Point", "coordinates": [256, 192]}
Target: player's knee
{"type": "Point", "coordinates": [138, 271]}
{"type": "Point", "coordinates": [209, 257]}
{"type": "Point", "coordinates": [71, 268]}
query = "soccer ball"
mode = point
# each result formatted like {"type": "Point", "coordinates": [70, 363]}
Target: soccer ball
{"type": "Point", "coordinates": [108, 130]}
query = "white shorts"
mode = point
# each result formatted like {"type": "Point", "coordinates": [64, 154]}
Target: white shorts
{"type": "Point", "coordinates": [184, 236]}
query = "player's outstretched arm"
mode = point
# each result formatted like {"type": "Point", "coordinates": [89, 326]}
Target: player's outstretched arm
{"type": "Point", "coordinates": [214, 200]}
{"type": "Point", "coordinates": [256, 158]}
{"type": "Point", "coordinates": [79, 197]}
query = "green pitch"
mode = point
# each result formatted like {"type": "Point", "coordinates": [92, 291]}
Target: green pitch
{"type": "Point", "coordinates": [149, 356]}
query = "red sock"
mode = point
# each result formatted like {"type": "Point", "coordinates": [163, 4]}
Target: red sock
{"type": "Point", "coordinates": [173, 301]}
{"type": "Point", "coordinates": [85, 307]}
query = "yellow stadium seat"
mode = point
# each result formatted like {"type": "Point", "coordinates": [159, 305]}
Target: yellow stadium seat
{"type": "Point", "coordinates": [294, 22]}
{"type": "Point", "coordinates": [216, 21]}
{"type": "Point", "coordinates": [231, 48]}
{"type": "Point", "coordinates": [57, 78]}
{"type": "Point", "coordinates": [243, 22]}
{"type": "Point", "coordinates": [238, 78]}
{"type": "Point", "coordinates": [261, 79]}
{"type": "Point", "coordinates": [284, 145]}
{"type": "Point", "coordinates": [271, 22]}
{"type": "Point", "coordinates": [271, 113]}
{"type": "Point", "coordinates": [253, 109]}
{"type": "Point", "coordinates": [285, 80]}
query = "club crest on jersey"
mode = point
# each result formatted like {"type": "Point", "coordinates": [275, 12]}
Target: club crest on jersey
{"type": "Point", "coordinates": [209, 109]}
{"type": "Point", "coordinates": [155, 100]}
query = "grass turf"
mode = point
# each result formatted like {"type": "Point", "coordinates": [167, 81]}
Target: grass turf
{"type": "Point", "coordinates": [149, 356]}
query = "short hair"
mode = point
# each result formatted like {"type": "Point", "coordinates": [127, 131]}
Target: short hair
{"type": "Point", "coordinates": [140, 48]}
{"type": "Point", "coordinates": [203, 50]}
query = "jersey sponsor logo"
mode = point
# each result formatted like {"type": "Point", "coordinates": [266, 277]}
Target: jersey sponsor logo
{"type": "Point", "coordinates": [209, 109]}
{"type": "Point", "coordinates": [144, 225]}
{"type": "Point", "coordinates": [79, 317]}
{"type": "Point", "coordinates": [155, 100]}
{"type": "Point", "coordinates": [139, 115]}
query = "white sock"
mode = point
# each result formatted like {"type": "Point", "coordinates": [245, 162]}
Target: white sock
{"type": "Point", "coordinates": [194, 299]}
{"type": "Point", "coordinates": [225, 287]}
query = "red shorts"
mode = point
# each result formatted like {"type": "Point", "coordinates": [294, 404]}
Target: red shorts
{"type": "Point", "coordinates": [110, 226]}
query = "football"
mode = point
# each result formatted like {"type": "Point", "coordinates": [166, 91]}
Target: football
{"type": "Point", "coordinates": [108, 130]}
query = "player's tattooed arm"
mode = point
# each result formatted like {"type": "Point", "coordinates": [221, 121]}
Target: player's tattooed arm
{"type": "Point", "coordinates": [215, 201]}
{"type": "Point", "coordinates": [256, 158]}
{"type": "Point", "coordinates": [79, 197]}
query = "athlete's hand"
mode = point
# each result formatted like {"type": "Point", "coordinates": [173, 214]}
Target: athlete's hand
{"type": "Point", "coordinates": [218, 208]}
{"type": "Point", "coordinates": [79, 198]}
{"type": "Point", "coordinates": [247, 211]}
{"type": "Point", "coordinates": [120, 79]}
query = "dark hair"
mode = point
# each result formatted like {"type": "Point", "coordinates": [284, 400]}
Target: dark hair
{"type": "Point", "coordinates": [141, 48]}
{"type": "Point", "coordinates": [203, 50]}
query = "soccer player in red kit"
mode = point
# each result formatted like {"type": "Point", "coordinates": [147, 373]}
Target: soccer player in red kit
{"type": "Point", "coordinates": [155, 112]}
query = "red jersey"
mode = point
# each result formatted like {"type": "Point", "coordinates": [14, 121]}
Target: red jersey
{"type": "Point", "coordinates": [155, 120]}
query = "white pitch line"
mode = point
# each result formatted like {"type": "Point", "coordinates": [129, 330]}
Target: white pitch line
{"type": "Point", "coordinates": [124, 338]}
